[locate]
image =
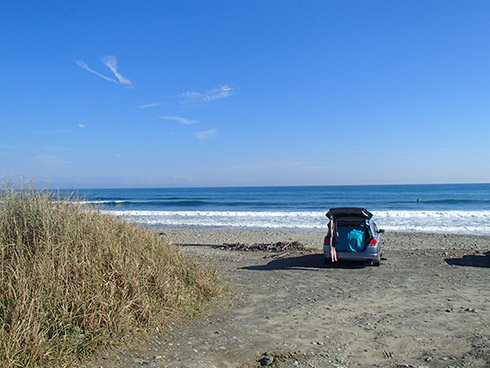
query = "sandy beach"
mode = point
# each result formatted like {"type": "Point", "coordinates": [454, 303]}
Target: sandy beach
{"type": "Point", "coordinates": [427, 305]}
{"type": "Point", "coordinates": [314, 240]}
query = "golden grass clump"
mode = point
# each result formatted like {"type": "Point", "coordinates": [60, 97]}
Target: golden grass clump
{"type": "Point", "coordinates": [73, 280]}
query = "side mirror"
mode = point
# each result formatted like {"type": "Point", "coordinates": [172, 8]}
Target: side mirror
{"type": "Point", "coordinates": [381, 231]}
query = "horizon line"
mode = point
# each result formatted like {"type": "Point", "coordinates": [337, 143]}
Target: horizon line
{"type": "Point", "coordinates": [265, 186]}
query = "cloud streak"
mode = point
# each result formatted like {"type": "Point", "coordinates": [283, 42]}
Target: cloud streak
{"type": "Point", "coordinates": [8, 146]}
{"type": "Point", "coordinates": [83, 65]}
{"type": "Point", "coordinates": [193, 97]}
{"type": "Point", "coordinates": [49, 132]}
{"type": "Point", "coordinates": [50, 161]}
{"type": "Point", "coordinates": [179, 119]}
{"type": "Point", "coordinates": [184, 178]}
{"type": "Point", "coordinates": [219, 93]}
{"type": "Point", "coordinates": [111, 63]}
{"type": "Point", "coordinates": [55, 148]}
{"type": "Point", "coordinates": [262, 165]}
{"type": "Point", "coordinates": [149, 105]}
{"type": "Point", "coordinates": [206, 134]}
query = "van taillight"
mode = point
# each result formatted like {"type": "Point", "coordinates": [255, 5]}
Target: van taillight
{"type": "Point", "coordinates": [373, 242]}
{"type": "Point", "coordinates": [326, 240]}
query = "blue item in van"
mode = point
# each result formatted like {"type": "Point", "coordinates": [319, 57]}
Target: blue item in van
{"type": "Point", "coordinates": [351, 239]}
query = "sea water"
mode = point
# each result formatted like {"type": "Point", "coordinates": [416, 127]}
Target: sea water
{"type": "Point", "coordinates": [447, 208]}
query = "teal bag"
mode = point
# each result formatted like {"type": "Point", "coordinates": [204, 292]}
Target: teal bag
{"type": "Point", "coordinates": [351, 239]}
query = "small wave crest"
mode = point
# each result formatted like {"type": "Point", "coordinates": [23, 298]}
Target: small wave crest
{"type": "Point", "coordinates": [460, 222]}
{"type": "Point", "coordinates": [177, 203]}
{"type": "Point", "coordinates": [455, 201]}
{"type": "Point", "coordinates": [148, 203]}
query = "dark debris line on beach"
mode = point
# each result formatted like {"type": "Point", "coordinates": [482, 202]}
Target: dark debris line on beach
{"type": "Point", "coordinates": [277, 247]}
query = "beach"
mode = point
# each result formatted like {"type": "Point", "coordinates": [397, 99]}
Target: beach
{"type": "Point", "coordinates": [427, 305]}
{"type": "Point", "coordinates": [314, 240]}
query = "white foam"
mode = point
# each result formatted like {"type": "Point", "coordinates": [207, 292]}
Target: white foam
{"type": "Point", "coordinates": [459, 222]}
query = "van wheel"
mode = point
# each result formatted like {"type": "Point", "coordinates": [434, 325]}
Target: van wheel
{"type": "Point", "coordinates": [376, 263]}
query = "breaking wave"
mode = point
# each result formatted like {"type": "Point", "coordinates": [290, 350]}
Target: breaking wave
{"type": "Point", "coordinates": [458, 222]}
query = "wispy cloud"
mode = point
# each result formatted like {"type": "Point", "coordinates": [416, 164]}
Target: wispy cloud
{"type": "Point", "coordinates": [206, 134]}
{"type": "Point", "coordinates": [111, 63]}
{"type": "Point", "coordinates": [37, 148]}
{"type": "Point", "coordinates": [80, 125]}
{"type": "Point", "coordinates": [262, 165]}
{"type": "Point", "coordinates": [8, 146]}
{"type": "Point", "coordinates": [316, 168]}
{"type": "Point", "coordinates": [51, 161]}
{"type": "Point", "coordinates": [146, 106]}
{"type": "Point", "coordinates": [83, 65]}
{"type": "Point", "coordinates": [55, 148]}
{"type": "Point", "coordinates": [222, 91]}
{"type": "Point", "coordinates": [179, 119]}
{"type": "Point", "coordinates": [194, 97]}
{"type": "Point", "coordinates": [273, 165]}
{"type": "Point", "coordinates": [184, 178]}
{"type": "Point", "coordinates": [49, 132]}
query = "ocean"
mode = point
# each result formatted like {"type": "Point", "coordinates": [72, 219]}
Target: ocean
{"type": "Point", "coordinates": [444, 208]}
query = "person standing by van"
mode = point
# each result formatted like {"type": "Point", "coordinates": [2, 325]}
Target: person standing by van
{"type": "Point", "coordinates": [332, 226]}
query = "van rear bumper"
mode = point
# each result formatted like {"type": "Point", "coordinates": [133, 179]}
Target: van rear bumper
{"type": "Point", "coordinates": [370, 254]}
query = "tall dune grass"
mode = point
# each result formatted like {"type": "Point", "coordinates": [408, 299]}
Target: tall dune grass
{"type": "Point", "coordinates": [73, 280]}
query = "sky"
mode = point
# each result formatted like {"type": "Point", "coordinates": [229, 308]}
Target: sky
{"type": "Point", "coordinates": [171, 93]}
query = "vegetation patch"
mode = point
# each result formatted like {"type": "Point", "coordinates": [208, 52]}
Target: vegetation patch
{"type": "Point", "coordinates": [73, 280]}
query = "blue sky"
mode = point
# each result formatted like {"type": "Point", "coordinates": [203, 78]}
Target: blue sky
{"type": "Point", "coordinates": [233, 93]}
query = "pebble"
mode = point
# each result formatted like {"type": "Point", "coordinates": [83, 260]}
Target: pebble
{"type": "Point", "coordinates": [266, 360]}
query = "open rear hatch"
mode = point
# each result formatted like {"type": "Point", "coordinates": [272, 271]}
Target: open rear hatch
{"type": "Point", "coordinates": [349, 212]}
{"type": "Point", "coordinates": [352, 228]}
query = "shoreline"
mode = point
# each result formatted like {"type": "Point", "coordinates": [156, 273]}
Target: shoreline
{"type": "Point", "coordinates": [314, 240]}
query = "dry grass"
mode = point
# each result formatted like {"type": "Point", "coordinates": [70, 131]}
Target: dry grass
{"type": "Point", "coordinates": [73, 280]}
